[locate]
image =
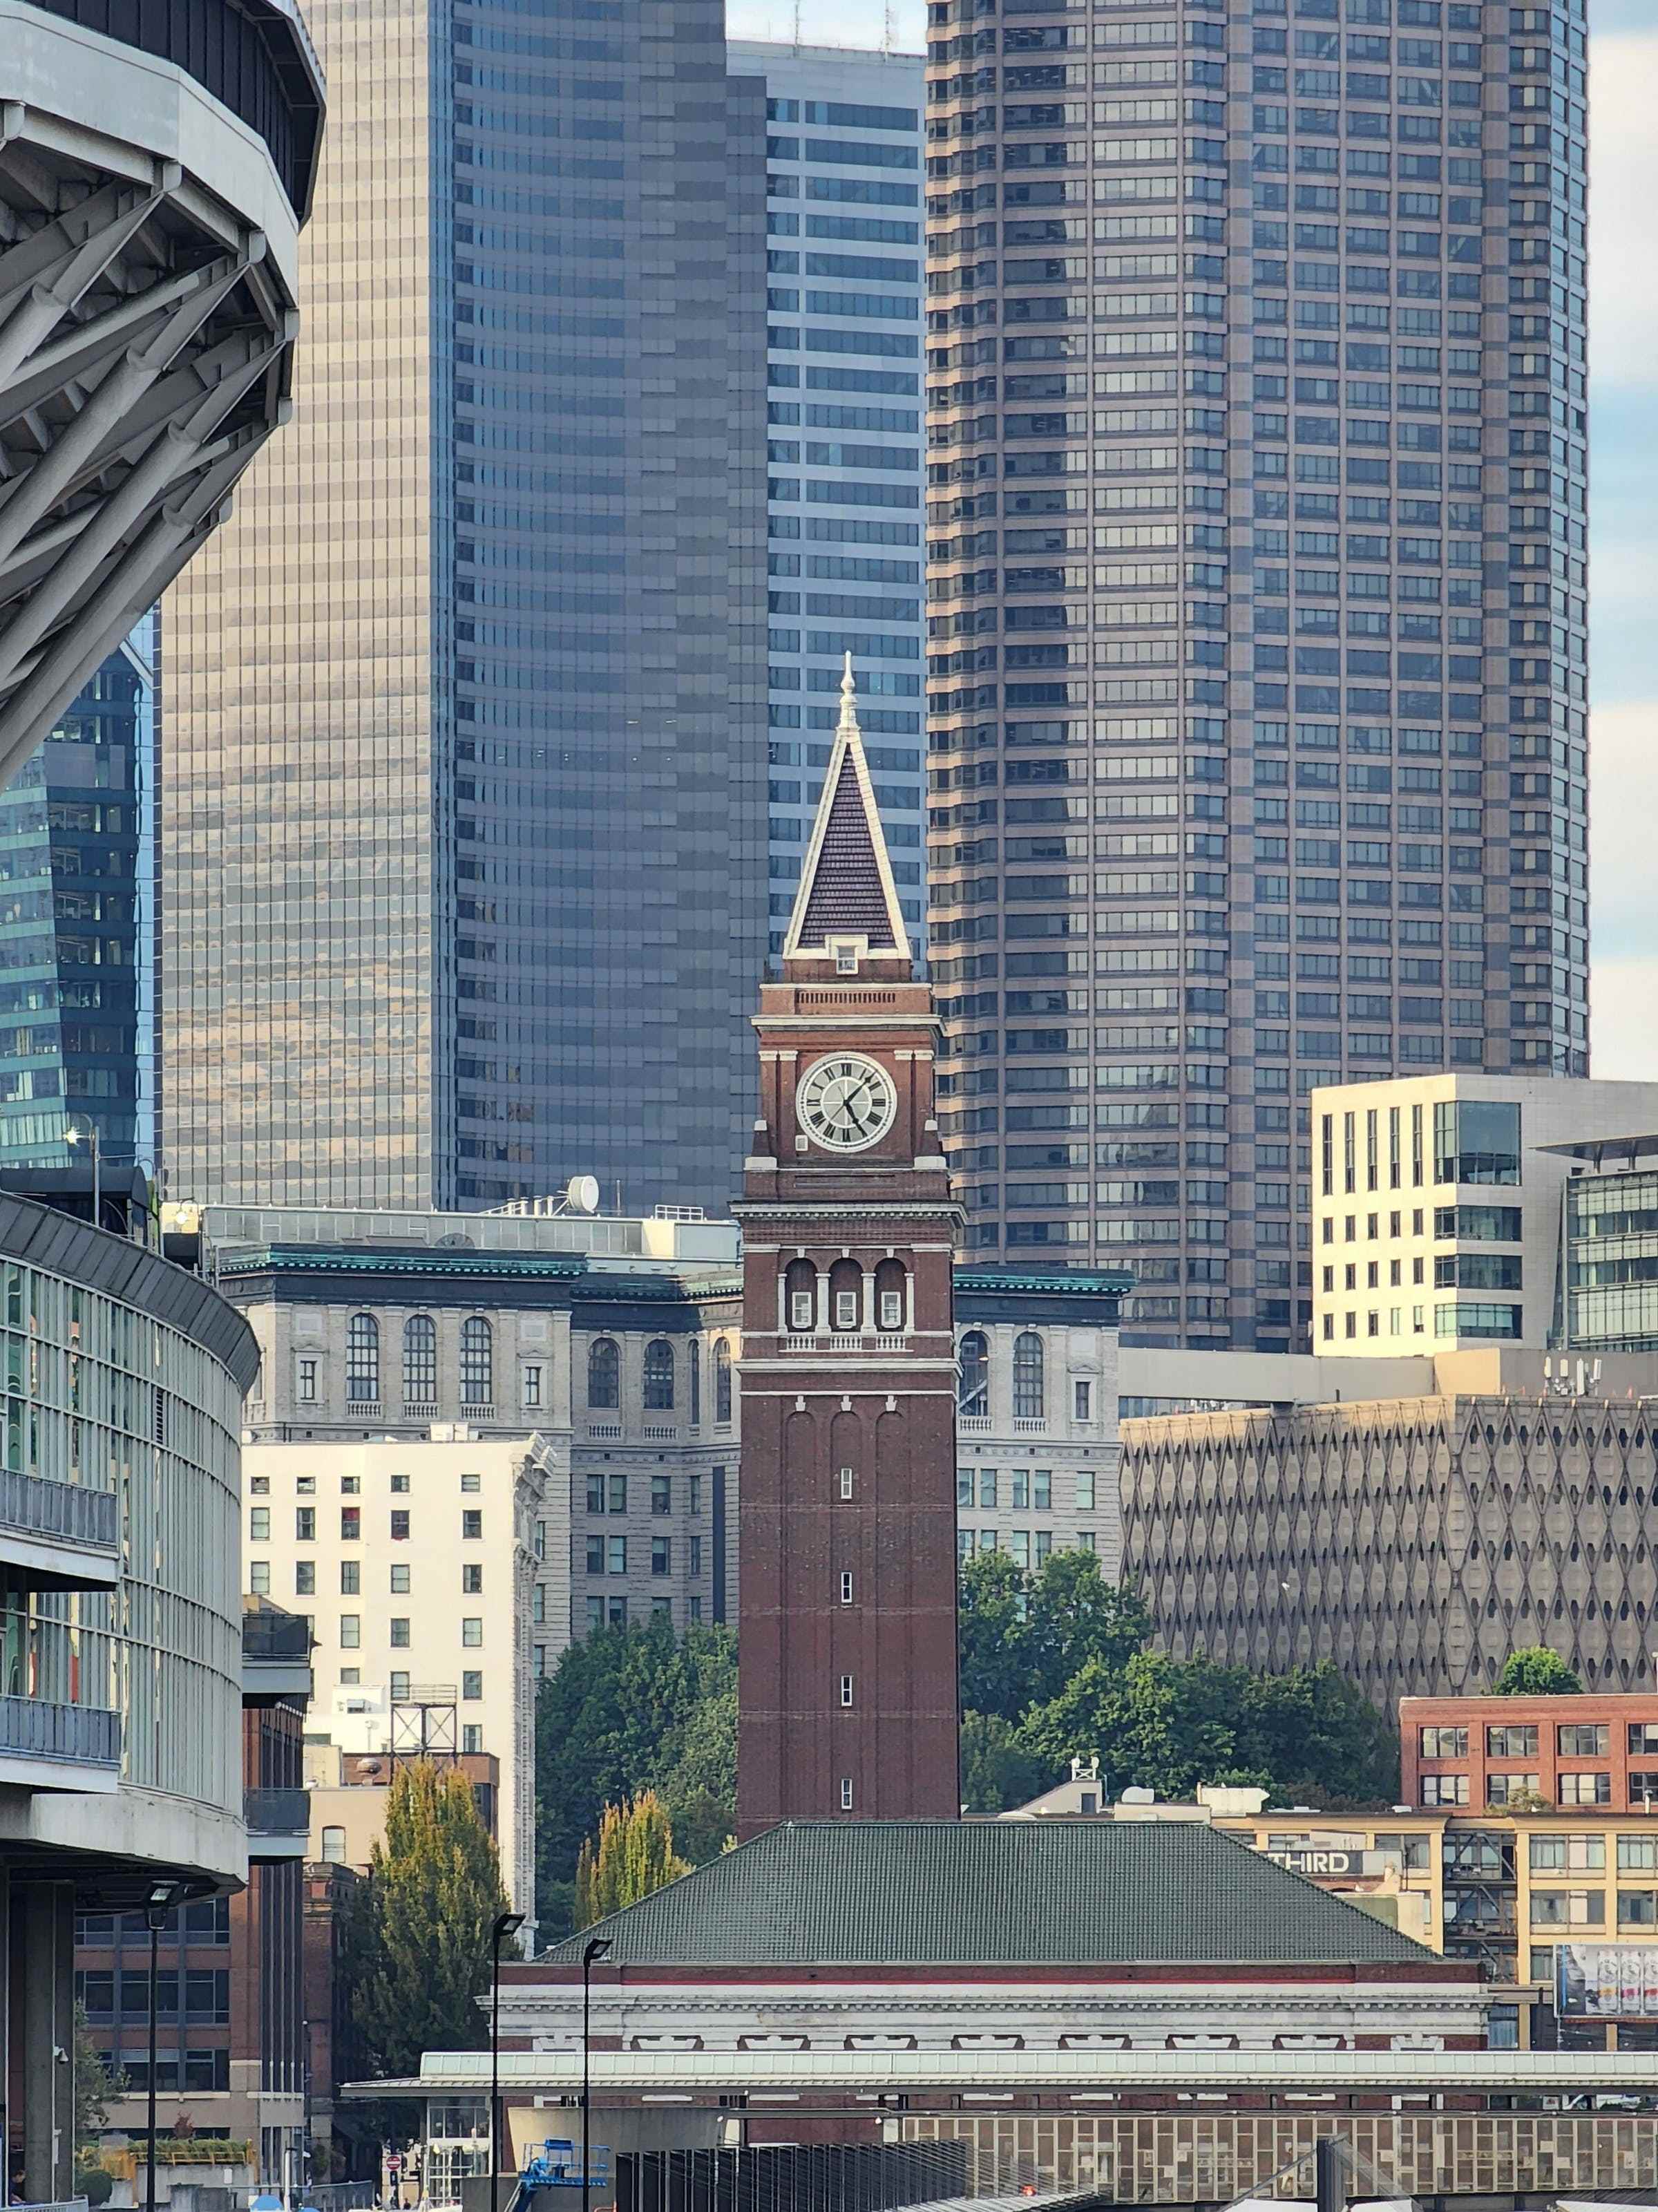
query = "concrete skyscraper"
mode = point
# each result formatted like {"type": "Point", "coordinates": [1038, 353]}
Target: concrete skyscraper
{"type": "Point", "coordinates": [463, 865]}
{"type": "Point", "coordinates": [1257, 558]}
{"type": "Point", "coordinates": [845, 476]}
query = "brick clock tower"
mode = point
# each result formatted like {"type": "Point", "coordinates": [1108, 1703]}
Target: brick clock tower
{"type": "Point", "coordinates": [848, 1682]}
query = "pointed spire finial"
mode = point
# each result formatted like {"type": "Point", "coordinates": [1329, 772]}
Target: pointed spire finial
{"type": "Point", "coordinates": [846, 887]}
{"type": "Point", "coordinates": [848, 698]}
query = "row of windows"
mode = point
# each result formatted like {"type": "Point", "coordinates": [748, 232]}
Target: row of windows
{"type": "Point", "coordinates": [604, 1378]}
{"type": "Point", "coordinates": [305, 1524]}
{"type": "Point", "coordinates": [612, 1612]}
{"type": "Point", "coordinates": [608, 1493]}
{"type": "Point", "coordinates": [304, 1579]}
{"type": "Point", "coordinates": [1590, 1788]}
{"type": "Point", "coordinates": [608, 1555]}
{"type": "Point", "coordinates": [1519, 1739]}
{"type": "Point", "coordinates": [420, 1363]}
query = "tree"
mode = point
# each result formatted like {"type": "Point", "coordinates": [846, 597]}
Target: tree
{"type": "Point", "coordinates": [1024, 1636]}
{"type": "Point", "coordinates": [993, 1636]}
{"type": "Point", "coordinates": [999, 1771]}
{"type": "Point", "coordinates": [419, 1948]}
{"type": "Point", "coordinates": [1536, 1672]}
{"type": "Point", "coordinates": [96, 2086]}
{"type": "Point", "coordinates": [634, 1856]}
{"type": "Point", "coordinates": [622, 1711]}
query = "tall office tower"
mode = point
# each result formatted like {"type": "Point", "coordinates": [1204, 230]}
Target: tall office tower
{"type": "Point", "coordinates": [464, 857]}
{"type": "Point", "coordinates": [1256, 540]}
{"type": "Point", "coordinates": [843, 413]}
{"type": "Point", "coordinates": [77, 845]}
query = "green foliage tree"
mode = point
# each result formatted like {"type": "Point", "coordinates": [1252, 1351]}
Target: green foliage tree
{"type": "Point", "coordinates": [96, 2086]}
{"type": "Point", "coordinates": [631, 1709]}
{"type": "Point", "coordinates": [1536, 1672]}
{"type": "Point", "coordinates": [418, 1947]}
{"type": "Point", "coordinates": [633, 1856]}
{"type": "Point", "coordinates": [999, 1769]}
{"type": "Point", "coordinates": [1024, 1636]}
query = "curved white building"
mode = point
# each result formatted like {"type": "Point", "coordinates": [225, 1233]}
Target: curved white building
{"type": "Point", "coordinates": [156, 167]}
{"type": "Point", "coordinates": [121, 1660]}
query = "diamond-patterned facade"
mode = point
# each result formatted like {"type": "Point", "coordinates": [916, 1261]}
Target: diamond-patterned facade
{"type": "Point", "coordinates": [1414, 1543]}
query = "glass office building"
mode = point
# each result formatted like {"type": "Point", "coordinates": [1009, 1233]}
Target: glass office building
{"type": "Point", "coordinates": [463, 856]}
{"type": "Point", "coordinates": [77, 906]}
{"type": "Point", "coordinates": [1256, 528]}
{"type": "Point", "coordinates": [845, 454]}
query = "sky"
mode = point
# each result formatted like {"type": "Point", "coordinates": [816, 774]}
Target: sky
{"type": "Point", "coordinates": [1623, 486]}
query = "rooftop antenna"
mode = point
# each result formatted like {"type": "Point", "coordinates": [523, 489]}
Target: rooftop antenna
{"type": "Point", "coordinates": [890, 37]}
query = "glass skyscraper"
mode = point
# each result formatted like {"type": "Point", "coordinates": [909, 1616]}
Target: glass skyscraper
{"type": "Point", "coordinates": [1257, 525]}
{"type": "Point", "coordinates": [845, 450]}
{"type": "Point", "coordinates": [465, 831]}
{"type": "Point", "coordinates": [77, 923]}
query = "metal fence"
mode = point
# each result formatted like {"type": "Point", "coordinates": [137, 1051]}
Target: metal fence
{"type": "Point", "coordinates": [87, 1735]}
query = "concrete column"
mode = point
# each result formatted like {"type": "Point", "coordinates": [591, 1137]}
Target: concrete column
{"type": "Point", "coordinates": [45, 2019]}
{"type": "Point", "coordinates": [872, 1317]}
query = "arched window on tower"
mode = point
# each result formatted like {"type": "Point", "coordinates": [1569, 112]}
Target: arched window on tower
{"type": "Point", "coordinates": [892, 1297]}
{"type": "Point", "coordinates": [800, 1290]}
{"type": "Point", "coordinates": [659, 1375]}
{"type": "Point", "coordinates": [722, 1380]}
{"type": "Point", "coordinates": [1028, 1403]}
{"type": "Point", "coordinates": [420, 1360]}
{"type": "Point", "coordinates": [476, 1361]}
{"type": "Point", "coordinates": [972, 1383]}
{"type": "Point", "coordinates": [362, 1361]}
{"type": "Point", "coordinates": [694, 1378]}
{"type": "Point", "coordinates": [845, 1296]}
{"type": "Point", "coordinates": [603, 1374]}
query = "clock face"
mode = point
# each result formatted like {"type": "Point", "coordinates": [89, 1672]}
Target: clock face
{"type": "Point", "coordinates": [847, 1102]}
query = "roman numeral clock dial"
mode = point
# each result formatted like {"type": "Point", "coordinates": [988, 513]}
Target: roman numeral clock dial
{"type": "Point", "coordinates": [847, 1102]}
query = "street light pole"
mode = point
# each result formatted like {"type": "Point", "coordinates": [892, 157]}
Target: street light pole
{"type": "Point", "coordinates": [73, 1137]}
{"type": "Point", "coordinates": [163, 1896]}
{"type": "Point", "coordinates": [505, 1923]}
{"type": "Point", "coordinates": [596, 1947]}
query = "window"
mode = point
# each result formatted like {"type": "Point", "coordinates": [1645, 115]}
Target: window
{"type": "Point", "coordinates": [471, 1485]}
{"type": "Point", "coordinates": [1042, 1489]}
{"type": "Point", "coordinates": [471, 1630]}
{"type": "Point", "coordinates": [1515, 1741]}
{"type": "Point", "coordinates": [362, 1359]}
{"type": "Point", "coordinates": [1084, 1490]}
{"type": "Point", "coordinates": [471, 1582]}
{"type": "Point", "coordinates": [1637, 1908]}
{"type": "Point", "coordinates": [420, 1360]}
{"type": "Point", "coordinates": [696, 1555]}
{"type": "Point", "coordinates": [1444, 1743]}
{"type": "Point", "coordinates": [722, 1380]}
{"type": "Point", "coordinates": [1505, 1789]}
{"type": "Point", "coordinates": [1573, 1855]}
{"type": "Point", "coordinates": [693, 1377]}
{"type": "Point", "coordinates": [305, 1524]}
{"type": "Point", "coordinates": [973, 1368]}
{"type": "Point", "coordinates": [845, 1588]}
{"type": "Point", "coordinates": [1444, 1788]}
{"type": "Point", "coordinates": [258, 1524]}
{"type": "Point", "coordinates": [1568, 1908]}
{"type": "Point", "coordinates": [595, 1555]}
{"type": "Point", "coordinates": [399, 1582]}
{"type": "Point", "coordinates": [399, 1684]}
{"type": "Point", "coordinates": [259, 1487]}
{"type": "Point", "coordinates": [603, 1374]}
{"type": "Point", "coordinates": [595, 1613]}
{"type": "Point", "coordinates": [399, 1485]}
{"type": "Point", "coordinates": [1082, 1401]}
{"type": "Point", "coordinates": [333, 1846]}
{"type": "Point", "coordinates": [846, 1482]}
{"type": "Point", "coordinates": [538, 1604]}
{"type": "Point", "coordinates": [350, 1525]}
{"type": "Point", "coordinates": [845, 1310]}
{"type": "Point", "coordinates": [1643, 1737]}
{"type": "Point", "coordinates": [307, 1380]}
{"type": "Point", "coordinates": [618, 1490]}
{"type": "Point", "coordinates": [304, 1579]}
{"type": "Point", "coordinates": [803, 1308]}
{"type": "Point", "coordinates": [350, 1577]}
{"type": "Point", "coordinates": [471, 1737]}
{"type": "Point", "coordinates": [1585, 1789]}
{"type": "Point", "coordinates": [616, 1554]}
{"type": "Point", "coordinates": [476, 1361]}
{"type": "Point", "coordinates": [662, 1493]}
{"type": "Point", "coordinates": [349, 1677]}
{"type": "Point", "coordinates": [1027, 1394]}
{"type": "Point", "coordinates": [400, 1527]}
{"type": "Point", "coordinates": [471, 1525]}
{"type": "Point", "coordinates": [351, 1631]}
{"type": "Point", "coordinates": [659, 1375]}
{"type": "Point", "coordinates": [892, 1309]}
{"type": "Point", "coordinates": [987, 1486]}
{"type": "Point", "coordinates": [845, 1689]}
{"type": "Point", "coordinates": [258, 1577]}
{"type": "Point", "coordinates": [1584, 1740]}
{"type": "Point", "coordinates": [661, 1555]}
{"type": "Point", "coordinates": [399, 1636]}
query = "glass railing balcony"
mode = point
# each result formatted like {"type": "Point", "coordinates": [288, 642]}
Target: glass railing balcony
{"type": "Point", "coordinates": [59, 1535]}
{"type": "Point", "coordinates": [48, 1736]}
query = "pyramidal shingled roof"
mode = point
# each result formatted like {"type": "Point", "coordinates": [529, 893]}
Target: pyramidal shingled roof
{"type": "Point", "coordinates": [847, 886]}
{"type": "Point", "coordinates": [1088, 1892]}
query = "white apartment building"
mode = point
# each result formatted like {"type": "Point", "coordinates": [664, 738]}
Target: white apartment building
{"type": "Point", "coordinates": [1437, 1203]}
{"type": "Point", "coordinates": [424, 1569]}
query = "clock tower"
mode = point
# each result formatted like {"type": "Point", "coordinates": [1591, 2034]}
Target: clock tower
{"type": "Point", "coordinates": [846, 1672]}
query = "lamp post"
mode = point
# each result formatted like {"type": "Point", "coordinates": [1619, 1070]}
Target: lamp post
{"type": "Point", "coordinates": [595, 1947]}
{"type": "Point", "coordinates": [163, 1897]}
{"type": "Point", "coordinates": [89, 1135]}
{"type": "Point", "coordinates": [506, 1924]}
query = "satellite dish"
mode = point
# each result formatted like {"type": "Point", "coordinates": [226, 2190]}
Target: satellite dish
{"type": "Point", "coordinates": [581, 1194]}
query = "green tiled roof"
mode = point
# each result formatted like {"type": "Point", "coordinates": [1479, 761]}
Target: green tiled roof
{"type": "Point", "coordinates": [1085, 1891]}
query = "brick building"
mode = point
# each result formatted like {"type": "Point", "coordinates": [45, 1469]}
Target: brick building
{"type": "Point", "coordinates": [1570, 1751]}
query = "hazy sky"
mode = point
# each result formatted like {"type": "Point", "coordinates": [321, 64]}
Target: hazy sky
{"type": "Point", "coordinates": [1623, 492]}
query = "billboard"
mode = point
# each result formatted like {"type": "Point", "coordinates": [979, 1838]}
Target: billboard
{"type": "Point", "coordinates": [1606, 1981]}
